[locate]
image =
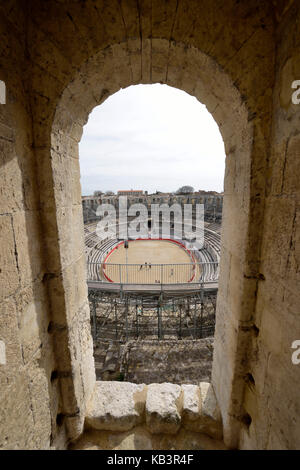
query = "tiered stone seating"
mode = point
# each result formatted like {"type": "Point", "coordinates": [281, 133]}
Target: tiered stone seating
{"type": "Point", "coordinates": [97, 250]}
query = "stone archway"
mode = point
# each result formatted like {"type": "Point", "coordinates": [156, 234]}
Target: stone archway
{"type": "Point", "coordinates": [103, 74]}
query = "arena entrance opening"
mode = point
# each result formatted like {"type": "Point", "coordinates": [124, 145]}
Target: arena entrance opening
{"type": "Point", "coordinates": [162, 241]}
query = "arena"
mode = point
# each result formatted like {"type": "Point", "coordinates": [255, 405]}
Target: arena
{"type": "Point", "coordinates": [169, 261]}
{"type": "Point", "coordinates": [150, 252]}
{"type": "Point", "coordinates": [143, 260]}
{"type": "Point", "coordinates": [148, 295]}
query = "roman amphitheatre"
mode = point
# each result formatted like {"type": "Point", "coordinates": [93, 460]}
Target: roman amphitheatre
{"type": "Point", "coordinates": [146, 254]}
{"type": "Point", "coordinates": [59, 61]}
{"type": "Point", "coordinates": [153, 293]}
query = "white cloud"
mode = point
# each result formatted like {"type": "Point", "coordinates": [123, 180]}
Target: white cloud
{"type": "Point", "coordinates": [151, 137]}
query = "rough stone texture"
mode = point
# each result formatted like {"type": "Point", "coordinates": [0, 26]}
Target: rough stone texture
{"type": "Point", "coordinates": [61, 59]}
{"type": "Point", "coordinates": [139, 438]}
{"type": "Point", "coordinates": [180, 362]}
{"type": "Point", "coordinates": [272, 395]}
{"type": "Point", "coordinates": [119, 407]}
{"type": "Point", "coordinates": [210, 416]}
{"type": "Point", "coordinates": [191, 403]}
{"type": "Point", "coordinates": [143, 361]}
{"type": "Point", "coordinates": [116, 406]}
{"type": "Point", "coordinates": [163, 408]}
{"type": "Point", "coordinates": [201, 412]}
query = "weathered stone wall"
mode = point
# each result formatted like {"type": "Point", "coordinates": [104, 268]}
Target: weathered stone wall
{"type": "Point", "coordinates": [28, 398]}
{"type": "Point", "coordinates": [272, 396]}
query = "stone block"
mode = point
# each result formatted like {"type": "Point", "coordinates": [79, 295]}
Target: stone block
{"type": "Point", "coordinates": [116, 406]}
{"type": "Point", "coordinates": [9, 335]}
{"type": "Point", "coordinates": [11, 196]}
{"type": "Point", "coordinates": [17, 427]}
{"type": "Point", "coordinates": [9, 274]}
{"type": "Point", "coordinates": [191, 403]}
{"type": "Point", "coordinates": [40, 406]}
{"type": "Point", "coordinates": [163, 408]}
{"type": "Point", "coordinates": [210, 416]}
{"type": "Point", "coordinates": [28, 245]}
{"type": "Point", "coordinates": [200, 410]}
{"type": "Point", "coordinates": [33, 320]}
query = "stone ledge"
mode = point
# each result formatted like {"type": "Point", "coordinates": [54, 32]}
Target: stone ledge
{"type": "Point", "coordinates": [164, 408]}
{"type": "Point", "coordinates": [139, 438]}
{"type": "Point", "coordinates": [116, 406]}
{"type": "Point", "coordinates": [200, 410]}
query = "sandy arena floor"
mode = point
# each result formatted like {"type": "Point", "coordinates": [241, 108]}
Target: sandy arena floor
{"type": "Point", "coordinates": [152, 252]}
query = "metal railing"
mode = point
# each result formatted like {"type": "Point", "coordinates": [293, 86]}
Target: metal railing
{"type": "Point", "coordinates": [154, 274]}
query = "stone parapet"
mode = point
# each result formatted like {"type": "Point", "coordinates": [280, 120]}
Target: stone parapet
{"type": "Point", "coordinates": [161, 408]}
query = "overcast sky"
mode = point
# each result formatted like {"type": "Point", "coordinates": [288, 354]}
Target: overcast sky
{"type": "Point", "coordinates": [151, 137]}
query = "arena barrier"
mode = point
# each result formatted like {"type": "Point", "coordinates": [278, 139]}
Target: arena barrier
{"type": "Point", "coordinates": [153, 274]}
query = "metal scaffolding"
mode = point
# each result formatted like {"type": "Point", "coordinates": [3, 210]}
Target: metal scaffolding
{"type": "Point", "coordinates": [119, 316]}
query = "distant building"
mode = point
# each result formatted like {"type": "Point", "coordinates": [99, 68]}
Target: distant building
{"type": "Point", "coordinates": [212, 200]}
{"type": "Point", "coordinates": [131, 192]}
